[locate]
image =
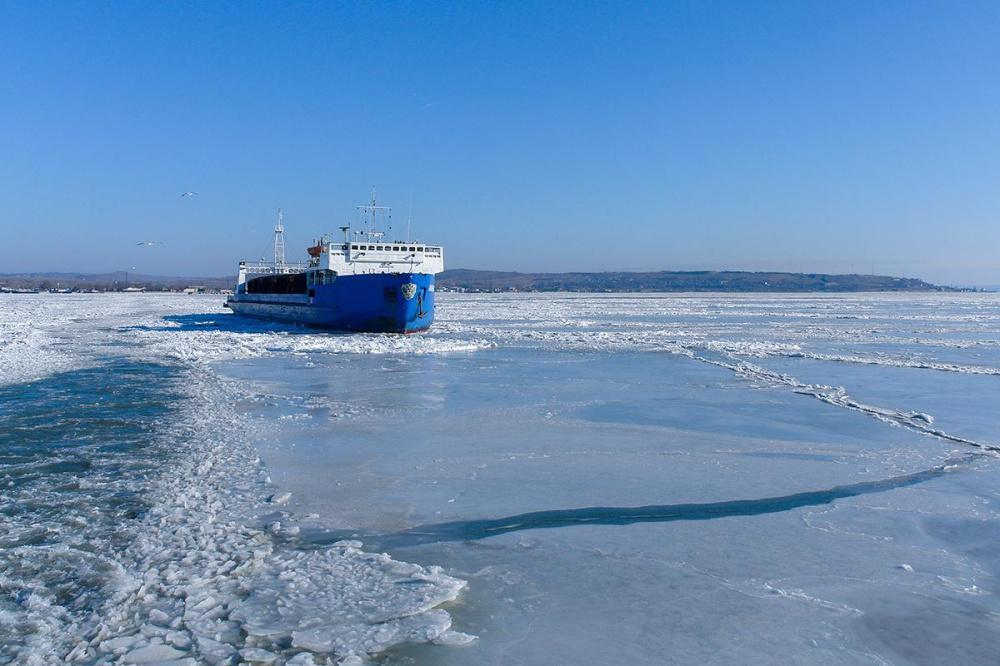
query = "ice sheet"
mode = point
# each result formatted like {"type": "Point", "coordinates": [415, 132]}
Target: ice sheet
{"type": "Point", "coordinates": [658, 479]}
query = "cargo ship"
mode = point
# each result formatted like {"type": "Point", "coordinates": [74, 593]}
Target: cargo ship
{"type": "Point", "coordinates": [363, 283]}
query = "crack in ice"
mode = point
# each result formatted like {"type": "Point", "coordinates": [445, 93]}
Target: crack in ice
{"type": "Point", "coordinates": [472, 530]}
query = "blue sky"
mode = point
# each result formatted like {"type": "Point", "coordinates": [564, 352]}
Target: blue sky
{"type": "Point", "coordinates": [838, 137]}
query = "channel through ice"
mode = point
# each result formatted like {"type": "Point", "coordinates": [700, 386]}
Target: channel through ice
{"type": "Point", "coordinates": [540, 479]}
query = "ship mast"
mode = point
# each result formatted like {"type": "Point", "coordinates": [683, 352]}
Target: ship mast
{"type": "Point", "coordinates": [279, 241]}
{"type": "Point", "coordinates": [371, 212]}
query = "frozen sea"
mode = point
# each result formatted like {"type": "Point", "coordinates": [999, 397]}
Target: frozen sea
{"type": "Point", "coordinates": [541, 479]}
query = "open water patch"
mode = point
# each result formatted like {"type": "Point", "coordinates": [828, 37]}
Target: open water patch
{"type": "Point", "coordinates": [74, 449]}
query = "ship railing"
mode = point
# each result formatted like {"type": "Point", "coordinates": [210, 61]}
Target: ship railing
{"type": "Point", "coordinates": [265, 268]}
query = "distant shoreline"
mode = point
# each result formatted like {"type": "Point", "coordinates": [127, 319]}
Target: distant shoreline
{"type": "Point", "coordinates": [679, 281]}
{"type": "Point", "coordinates": [479, 281]}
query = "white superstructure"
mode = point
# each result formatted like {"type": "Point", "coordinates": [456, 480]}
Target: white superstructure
{"type": "Point", "coordinates": [369, 257]}
{"type": "Point", "coordinates": [366, 254]}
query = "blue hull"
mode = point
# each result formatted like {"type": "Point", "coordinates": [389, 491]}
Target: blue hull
{"type": "Point", "coordinates": [378, 303]}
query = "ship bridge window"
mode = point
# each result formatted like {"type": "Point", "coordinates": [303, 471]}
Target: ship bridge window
{"type": "Point", "coordinates": [420, 249]}
{"type": "Point", "coordinates": [379, 247]}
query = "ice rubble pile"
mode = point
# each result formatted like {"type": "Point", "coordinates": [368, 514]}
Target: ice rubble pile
{"type": "Point", "coordinates": [202, 586]}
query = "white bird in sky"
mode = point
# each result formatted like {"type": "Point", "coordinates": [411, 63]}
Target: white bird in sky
{"type": "Point", "coordinates": [188, 194]}
{"type": "Point", "coordinates": [150, 243]}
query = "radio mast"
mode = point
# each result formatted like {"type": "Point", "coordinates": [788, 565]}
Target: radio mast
{"type": "Point", "coordinates": [279, 241]}
{"type": "Point", "coordinates": [371, 213]}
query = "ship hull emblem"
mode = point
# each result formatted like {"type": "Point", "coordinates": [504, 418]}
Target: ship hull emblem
{"type": "Point", "coordinates": [409, 290]}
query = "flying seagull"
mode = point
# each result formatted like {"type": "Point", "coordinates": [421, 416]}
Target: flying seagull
{"type": "Point", "coordinates": [150, 243]}
{"type": "Point", "coordinates": [188, 194]}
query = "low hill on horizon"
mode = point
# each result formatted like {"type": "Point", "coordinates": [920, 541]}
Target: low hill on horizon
{"type": "Point", "coordinates": [109, 281]}
{"type": "Point", "coordinates": [737, 281]}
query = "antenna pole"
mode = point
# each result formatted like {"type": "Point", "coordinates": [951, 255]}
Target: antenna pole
{"type": "Point", "coordinates": [409, 217]}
